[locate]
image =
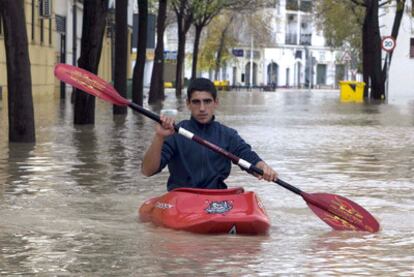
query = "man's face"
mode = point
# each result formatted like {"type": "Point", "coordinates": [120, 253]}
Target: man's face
{"type": "Point", "coordinates": [202, 106]}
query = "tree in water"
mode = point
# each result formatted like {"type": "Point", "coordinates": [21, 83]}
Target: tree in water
{"type": "Point", "coordinates": [138, 74]}
{"type": "Point", "coordinates": [94, 19]}
{"type": "Point", "coordinates": [214, 50]}
{"type": "Point", "coordinates": [184, 11]}
{"type": "Point", "coordinates": [156, 93]}
{"type": "Point", "coordinates": [332, 22]}
{"type": "Point", "coordinates": [232, 28]}
{"type": "Point", "coordinates": [206, 10]}
{"type": "Point", "coordinates": [19, 81]}
{"type": "Point", "coordinates": [121, 52]}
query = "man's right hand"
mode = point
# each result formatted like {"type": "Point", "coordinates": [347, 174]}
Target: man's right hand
{"type": "Point", "coordinates": [166, 128]}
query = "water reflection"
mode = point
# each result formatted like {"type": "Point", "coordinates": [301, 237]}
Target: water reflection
{"type": "Point", "coordinates": [346, 251]}
{"type": "Point", "coordinates": [87, 170]}
{"type": "Point", "coordinates": [69, 203]}
{"type": "Point", "coordinates": [19, 163]}
{"type": "Point", "coordinates": [174, 251]}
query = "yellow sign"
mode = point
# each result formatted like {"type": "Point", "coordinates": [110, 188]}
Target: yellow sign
{"type": "Point", "coordinates": [149, 55]}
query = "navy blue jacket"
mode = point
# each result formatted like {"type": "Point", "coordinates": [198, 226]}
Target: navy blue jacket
{"type": "Point", "coordinates": [195, 166]}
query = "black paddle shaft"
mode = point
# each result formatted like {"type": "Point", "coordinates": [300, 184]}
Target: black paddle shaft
{"type": "Point", "coordinates": [215, 148]}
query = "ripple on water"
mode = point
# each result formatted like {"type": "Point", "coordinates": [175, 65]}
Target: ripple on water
{"type": "Point", "coordinates": [69, 203]}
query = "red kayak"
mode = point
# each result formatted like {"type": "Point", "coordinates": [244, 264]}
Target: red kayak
{"type": "Point", "coordinates": [208, 211]}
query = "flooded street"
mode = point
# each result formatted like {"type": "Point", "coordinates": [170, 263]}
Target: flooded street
{"type": "Point", "coordinates": [68, 204]}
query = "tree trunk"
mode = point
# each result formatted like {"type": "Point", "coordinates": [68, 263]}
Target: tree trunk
{"type": "Point", "coordinates": [138, 75]}
{"type": "Point", "coordinates": [219, 55]}
{"type": "Point", "coordinates": [94, 20]}
{"type": "Point", "coordinates": [221, 48]}
{"type": "Point", "coordinates": [121, 52]}
{"type": "Point", "coordinates": [156, 93]}
{"type": "Point", "coordinates": [180, 62]}
{"type": "Point", "coordinates": [399, 12]}
{"type": "Point", "coordinates": [198, 29]}
{"type": "Point", "coordinates": [184, 21]}
{"type": "Point", "coordinates": [371, 44]}
{"type": "Point", "coordinates": [19, 82]}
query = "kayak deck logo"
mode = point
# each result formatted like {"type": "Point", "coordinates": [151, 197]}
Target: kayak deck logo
{"type": "Point", "coordinates": [219, 207]}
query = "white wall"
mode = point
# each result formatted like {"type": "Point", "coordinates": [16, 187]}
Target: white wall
{"type": "Point", "coordinates": [401, 81]}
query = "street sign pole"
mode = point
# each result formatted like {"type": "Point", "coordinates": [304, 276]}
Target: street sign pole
{"type": "Point", "coordinates": [388, 44]}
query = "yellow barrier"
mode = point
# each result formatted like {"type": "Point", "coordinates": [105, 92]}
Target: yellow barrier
{"type": "Point", "coordinates": [222, 85]}
{"type": "Point", "coordinates": [168, 84]}
{"type": "Point", "coordinates": [351, 91]}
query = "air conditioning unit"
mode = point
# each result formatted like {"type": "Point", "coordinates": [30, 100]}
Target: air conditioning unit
{"type": "Point", "coordinates": [45, 8]}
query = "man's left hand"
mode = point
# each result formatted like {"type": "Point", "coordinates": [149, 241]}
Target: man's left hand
{"type": "Point", "coordinates": [269, 174]}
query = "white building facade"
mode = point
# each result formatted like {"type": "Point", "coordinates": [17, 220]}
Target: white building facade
{"type": "Point", "coordinates": [401, 82]}
{"type": "Point", "coordinates": [69, 17]}
{"type": "Point", "coordinates": [297, 57]}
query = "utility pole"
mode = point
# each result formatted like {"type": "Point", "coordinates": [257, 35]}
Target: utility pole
{"type": "Point", "coordinates": [251, 62]}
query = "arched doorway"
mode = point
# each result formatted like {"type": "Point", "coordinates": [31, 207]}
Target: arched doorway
{"type": "Point", "coordinates": [272, 74]}
{"type": "Point", "coordinates": [247, 68]}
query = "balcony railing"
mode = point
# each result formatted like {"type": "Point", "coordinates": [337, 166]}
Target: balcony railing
{"type": "Point", "coordinates": [302, 5]}
{"type": "Point", "coordinates": [291, 39]}
{"type": "Point", "coordinates": [305, 39]}
{"type": "Point", "coordinates": [292, 5]}
{"type": "Point", "coordinates": [306, 6]}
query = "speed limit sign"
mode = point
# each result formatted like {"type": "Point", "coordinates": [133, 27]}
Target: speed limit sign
{"type": "Point", "coordinates": [388, 43]}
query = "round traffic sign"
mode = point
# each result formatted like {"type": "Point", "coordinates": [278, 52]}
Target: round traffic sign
{"type": "Point", "coordinates": [388, 43]}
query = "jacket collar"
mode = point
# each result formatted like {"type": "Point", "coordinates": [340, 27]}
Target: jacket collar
{"type": "Point", "coordinates": [202, 125]}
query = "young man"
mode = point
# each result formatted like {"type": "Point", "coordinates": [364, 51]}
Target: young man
{"type": "Point", "coordinates": [193, 165]}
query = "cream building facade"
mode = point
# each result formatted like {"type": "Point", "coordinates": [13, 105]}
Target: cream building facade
{"type": "Point", "coordinates": [41, 29]}
{"type": "Point", "coordinates": [54, 30]}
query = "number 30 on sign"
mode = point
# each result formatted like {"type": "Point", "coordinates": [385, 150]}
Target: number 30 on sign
{"type": "Point", "coordinates": [388, 43]}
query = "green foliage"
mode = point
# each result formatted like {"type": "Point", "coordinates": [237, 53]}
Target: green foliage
{"type": "Point", "coordinates": [211, 42]}
{"type": "Point", "coordinates": [231, 29]}
{"type": "Point", "coordinates": [341, 23]}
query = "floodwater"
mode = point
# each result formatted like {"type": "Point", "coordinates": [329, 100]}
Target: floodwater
{"type": "Point", "coordinates": [68, 204]}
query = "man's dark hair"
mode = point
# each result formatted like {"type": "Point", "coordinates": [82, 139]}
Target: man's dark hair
{"type": "Point", "coordinates": [201, 84]}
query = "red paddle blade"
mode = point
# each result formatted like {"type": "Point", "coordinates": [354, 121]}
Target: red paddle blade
{"type": "Point", "coordinates": [341, 213]}
{"type": "Point", "coordinates": [89, 82]}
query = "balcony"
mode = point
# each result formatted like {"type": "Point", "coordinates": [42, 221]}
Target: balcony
{"type": "Point", "coordinates": [291, 39]}
{"type": "Point", "coordinates": [292, 5]}
{"type": "Point", "coordinates": [302, 5]}
{"type": "Point", "coordinates": [305, 39]}
{"type": "Point", "coordinates": [306, 6]}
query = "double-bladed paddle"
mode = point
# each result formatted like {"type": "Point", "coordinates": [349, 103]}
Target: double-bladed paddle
{"type": "Point", "coordinates": [338, 212]}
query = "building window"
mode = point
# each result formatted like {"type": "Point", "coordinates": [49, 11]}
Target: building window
{"type": "Point", "coordinates": [306, 6]}
{"type": "Point", "coordinates": [292, 5]}
{"type": "Point", "coordinates": [411, 48]}
{"type": "Point", "coordinates": [301, 5]}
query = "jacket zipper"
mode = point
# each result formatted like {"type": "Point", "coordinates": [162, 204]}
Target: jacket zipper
{"type": "Point", "coordinates": [203, 160]}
